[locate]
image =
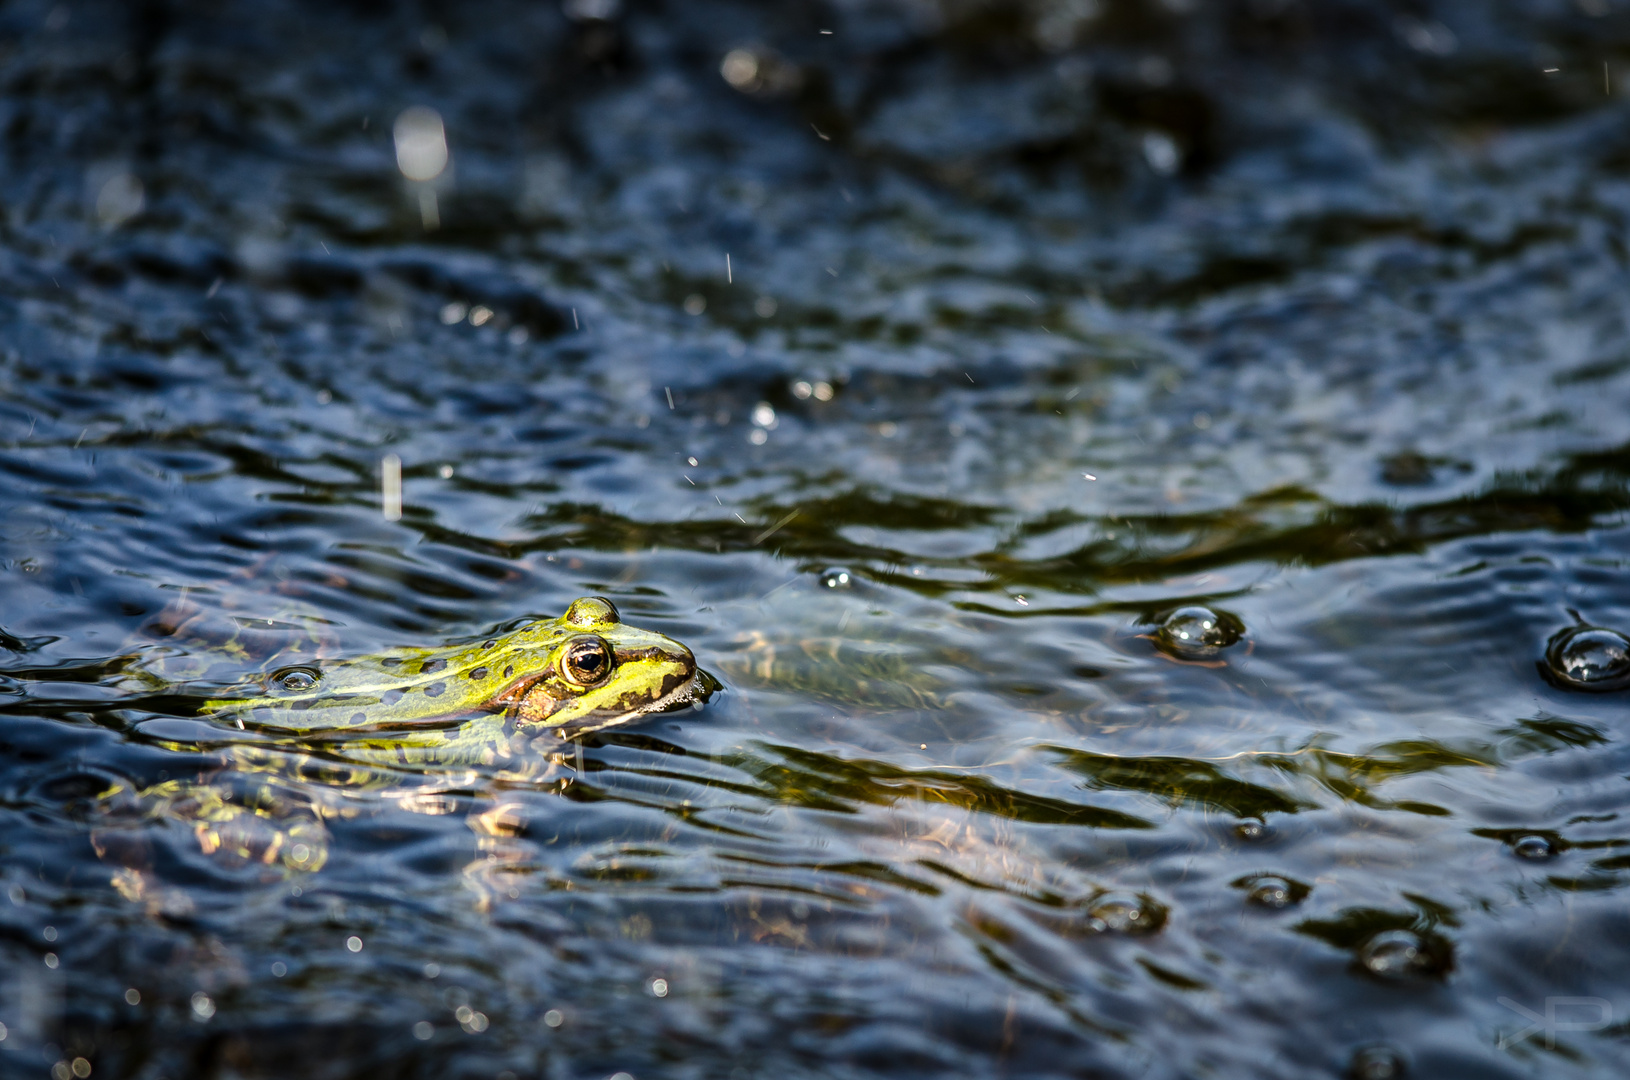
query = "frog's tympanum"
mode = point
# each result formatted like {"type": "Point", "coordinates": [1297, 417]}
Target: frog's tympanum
{"type": "Point", "coordinates": [302, 734]}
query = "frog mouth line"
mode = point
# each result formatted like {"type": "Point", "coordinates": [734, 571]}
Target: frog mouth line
{"type": "Point", "coordinates": [690, 688]}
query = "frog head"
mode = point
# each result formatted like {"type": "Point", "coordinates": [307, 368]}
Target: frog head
{"type": "Point", "coordinates": [590, 670]}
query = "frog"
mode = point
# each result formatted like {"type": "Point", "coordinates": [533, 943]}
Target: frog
{"type": "Point", "coordinates": [300, 733]}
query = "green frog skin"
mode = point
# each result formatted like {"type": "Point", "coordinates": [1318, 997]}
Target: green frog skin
{"type": "Point", "coordinates": [585, 671]}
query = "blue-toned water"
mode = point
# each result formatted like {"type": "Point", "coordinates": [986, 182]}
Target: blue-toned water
{"type": "Point", "coordinates": [931, 368]}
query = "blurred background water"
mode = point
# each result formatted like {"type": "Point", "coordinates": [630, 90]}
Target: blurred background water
{"type": "Point", "coordinates": [910, 360]}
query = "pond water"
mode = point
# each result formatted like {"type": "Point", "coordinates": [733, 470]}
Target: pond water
{"type": "Point", "coordinates": [1150, 478]}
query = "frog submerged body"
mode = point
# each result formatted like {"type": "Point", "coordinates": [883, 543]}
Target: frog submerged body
{"type": "Point", "coordinates": [316, 733]}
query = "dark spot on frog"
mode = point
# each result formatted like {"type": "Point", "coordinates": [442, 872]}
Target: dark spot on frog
{"type": "Point", "coordinates": [435, 689]}
{"type": "Point", "coordinates": [390, 697]}
{"type": "Point", "coordinates": [390, 661]}
{"type": "Point", "coordinates": [509, 670]}
{"type": "Point", "coordinates": [359, 718]}
{"type": "Point", "coordinates": [478, 673]}
{"type": "Point", "coordinates": [488, 644]}
{"type": "Point", "coordinates": [432, 666]}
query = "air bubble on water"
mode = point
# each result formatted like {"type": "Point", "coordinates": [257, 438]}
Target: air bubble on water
{"type": "Point", "coordinates": [554, 1018]}
{"type": "Point", "coordinates": [802, 389]}
{"type": "Point", "coordinates": [453, 312]}
{"type": "Point", "coordinates": [836, 577]}
{"type": "Point", "coordinates": [1196, 632]}
{"type": "Point", "coordinates": [1534, 846]}
{"type": "Point", "coordinates": [279, 969]}
{"type": "Point", "coordinates": [295, 679]}
{"type": "Point", "coordinates": [1124, 913]}
{"type": "Point", "coordinates": [423, 1030]}
{"type": "Point", "coordinates": [1253, 830]}
{"type": "Point", "coordinates": [1376, 1063]}
{"type": "Point", "coordinates": [353, 943]}
{"type": "Point", "coordinates": [764, 415]}
{"type": "Point", "coordinates": [202, 1007]}
{"type": "Point", "coordinates": [132, 996]}
{"type": "Point", "coordinates": [1400, 954]}
{"type": "Point", "coordinates": [1592, 658]}
{"type": "Point", "coordinates": [1272, 891]}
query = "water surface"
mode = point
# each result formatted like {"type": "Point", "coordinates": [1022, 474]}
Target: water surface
{"type": "Point", "coordinates": [910, 374]}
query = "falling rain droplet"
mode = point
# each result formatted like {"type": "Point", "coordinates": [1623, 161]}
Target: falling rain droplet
{"type": "Point", "coordinates": [1197, 633]}
{"type": "Point", "coordinates": [1535, 847]}
{"type": "Point", "coordinates": [120, 198]}
{"type": "Point", "coordinates": [835, 577]}
{"type": "Point", "coordinates": [421, 143]}
{"type": "Point", "coordinates": [1592, 658]}
{"type": "Point", "coordinates": [390, 487]}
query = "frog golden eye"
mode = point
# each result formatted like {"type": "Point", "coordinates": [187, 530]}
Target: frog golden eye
{"type": "Point", "coordinates": [592, 610]}
{"type": "Point", "coordinates": [586, 661]}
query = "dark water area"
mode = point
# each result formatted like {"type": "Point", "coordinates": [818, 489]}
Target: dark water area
{"type": "Point", "coordinates": [911, 361]}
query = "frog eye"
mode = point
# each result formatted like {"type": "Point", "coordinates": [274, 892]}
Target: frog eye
{"type": "Point", "coordinates": [590, 610]}
{"type": "Point", "coordinates": [586, 661]}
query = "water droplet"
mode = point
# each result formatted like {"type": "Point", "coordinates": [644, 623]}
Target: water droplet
{"type": "Point", "coordinates": [1534, 846]}
{"type": "Point", "coordinates": [1590, 658]}
{"type": "Point", "coordinates": [1272, 891]}
{"type": "Point", "coordinates": [1197, 633]}
{"type": "Point", "coordinates": [423, 1030]}
{"type": "Point", "coordinates": [659, 987]}
{"type": "Point", "coordinates": [202, 1007]}
{"type": "Point", "coordinates": [421, 143]}
{"type": "Point", "coordinates": [1125, 913]}
{"type": "Point", "coordinates": [554, 1018]}
{"type": "Point", "coordinates": [295, 679]}
{"type": "Point", "coordinates": [133, 996]}
{"type": "Point", "coordinates": [353, 943]}
{"type": "Point", "coordinates": [1402, 954]}
{"type": "Point", "coordinates": [280, 969]}
{"type": "Point", "coordinates": [835, 577]}
{"type": "Point", "coordinates": [1376, 1063]}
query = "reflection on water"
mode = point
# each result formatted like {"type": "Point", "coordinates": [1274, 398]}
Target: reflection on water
{"type": "Point", "coordinates": [1150, 479]}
